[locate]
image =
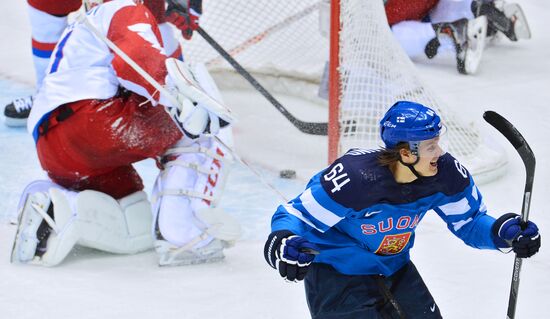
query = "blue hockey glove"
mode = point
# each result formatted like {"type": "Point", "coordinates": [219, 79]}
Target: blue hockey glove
{"type": "Point", "coordinates": [523, 238]}
{"type": "Point", "coordinates": [290, 254]}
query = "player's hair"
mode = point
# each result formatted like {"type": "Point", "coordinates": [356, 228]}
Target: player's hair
{"type": "Point", "coordinates": [390, 156]}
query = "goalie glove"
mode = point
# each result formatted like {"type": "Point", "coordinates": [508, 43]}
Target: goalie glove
{"type": "Point", "coordinates": [195, 112]}
{"type": "Point", "coordinates": [191, 119]}
{"type": "Point", "coordinates": [290, 254]}
{"type": "Point", "coordinates": [509, 231]}
{"type": "Point", "coordinates": [185, 15]}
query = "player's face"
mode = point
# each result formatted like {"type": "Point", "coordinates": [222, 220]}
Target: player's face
{"type": "Point", "coordinates": [429, 152]}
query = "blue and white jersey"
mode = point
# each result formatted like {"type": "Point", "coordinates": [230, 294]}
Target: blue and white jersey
{"type": "Point", "coordinates": [364, 221]}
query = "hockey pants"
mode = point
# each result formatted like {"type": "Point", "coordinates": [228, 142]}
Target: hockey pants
{"type": "Point", "coordinates": [91, 144]}
{"type": "Point", "coordinates": [332, 295]}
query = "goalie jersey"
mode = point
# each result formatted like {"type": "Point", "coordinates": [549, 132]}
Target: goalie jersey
{"type": "Point", "coordinates": [365, 222]}
{"type": "Point", "coordinates": [83, 67]}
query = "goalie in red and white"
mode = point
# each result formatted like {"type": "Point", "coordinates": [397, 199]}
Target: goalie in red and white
{"type": "Point", "coordinates": [94, 116]}
{"type": "Point", "coordinates": [460, 27]}
{"type": "Point", "coordinates": [48, 19]}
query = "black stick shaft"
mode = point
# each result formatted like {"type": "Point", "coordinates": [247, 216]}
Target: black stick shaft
{"type": "Point", "coordinates": [305, 127]}
{"type": "Point", "coordinates": [528, 158]}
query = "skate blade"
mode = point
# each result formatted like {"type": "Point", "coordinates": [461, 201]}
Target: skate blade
{"type": "Point", "coordinates": [476, 33]}
{"type": "Point", "coordinates": [521, 27]}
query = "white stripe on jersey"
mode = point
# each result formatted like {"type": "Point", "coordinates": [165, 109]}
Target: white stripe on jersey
{"type": "Point", "coordinates": [322, 214]}
{"type": "Point", "coordinates": [482, 207]}
{"type": "Point", "coordinates": [145, 31]}
{"type": "Point", "coordinates": [456, 208]}
{"type": "Point", "coordinates": [461, 223]}
{"type": "Point", "coordinates": [474, 192]}
{"type": "Point", "coordinates": [293, 211]}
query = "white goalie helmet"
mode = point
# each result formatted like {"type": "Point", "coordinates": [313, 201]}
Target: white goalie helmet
{"type": "Point", "coordinates": [89, 4]}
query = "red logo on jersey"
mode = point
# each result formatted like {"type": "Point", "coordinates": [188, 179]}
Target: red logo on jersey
{"type": "Point", "coordinates": [393, 244]}
{"type": "Point", "coordinates": [213, 178]}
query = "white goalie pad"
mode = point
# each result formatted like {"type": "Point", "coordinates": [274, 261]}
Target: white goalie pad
{"type": "Point", "coordinates": [185, 195]}
{"type": "Point", "coordinates": [52, 220]}
{"type": "Point", "coordinates": [186, 78]}
{"type": "Point", "coordinates": [120, 227]}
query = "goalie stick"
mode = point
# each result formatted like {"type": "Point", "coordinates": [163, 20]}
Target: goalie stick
{"type": "Point", "coordinates": [520, 144]}
{"type": "Point", "coordinates": [314, 128]}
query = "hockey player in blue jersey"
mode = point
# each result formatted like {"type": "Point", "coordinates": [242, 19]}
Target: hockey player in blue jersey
{"type": "Point", "coordinates": [360, 216]}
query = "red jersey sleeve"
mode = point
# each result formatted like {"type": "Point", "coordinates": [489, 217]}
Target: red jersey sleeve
{"type": "Point", "coordinates": [135, 31]}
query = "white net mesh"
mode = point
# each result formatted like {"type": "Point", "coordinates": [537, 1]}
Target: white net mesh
{"type": "Point", "coordinates": [375, 73]}
{"type": "Point", "coordinates": [280, 43]}
{"type": "Point", "coordinates": [277, 41]}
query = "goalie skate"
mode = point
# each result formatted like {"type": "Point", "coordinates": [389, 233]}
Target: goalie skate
{"type": "Point", "coordinates": [470, 43]}
{"type": "Point", "coordinates": [170, 255]}
{"type": "Point", "coordinates": [223, 227]}
{"type": "Point", "coordinates": [180, 72]}
{"type": "Point", "coordinates": [27, 238]}
{"type": "Point", "coordinates": [521, 28]}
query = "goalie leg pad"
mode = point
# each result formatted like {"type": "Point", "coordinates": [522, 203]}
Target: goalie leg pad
{"type": "Point", "coordinates": [188, 187]}
{"type": "Point", "coordinates": [121, 227]}
{"type": "Point", "coordinates": [51, 223]}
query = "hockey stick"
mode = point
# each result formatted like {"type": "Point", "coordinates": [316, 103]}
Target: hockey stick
{"type": "Point", "coordinates": [314, 128]}
{"type": "Point", "coordinates": [528, 158]}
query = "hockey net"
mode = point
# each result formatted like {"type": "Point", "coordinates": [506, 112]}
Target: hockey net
{"type": "Point", "coordinates": [285, 45]}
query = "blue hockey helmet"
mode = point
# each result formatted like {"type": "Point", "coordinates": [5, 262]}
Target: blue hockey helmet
{"type": "Point", "coordinates": [409, 122]}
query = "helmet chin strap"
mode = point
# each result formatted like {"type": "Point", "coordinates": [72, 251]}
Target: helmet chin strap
{"type": "Point", "coordinates": [411, 166]}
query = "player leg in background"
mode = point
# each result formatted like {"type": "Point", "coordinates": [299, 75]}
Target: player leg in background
{"type": "Point", "coordinates": [48, 20]}
{"type": "Point", "coordinates": [464, 36]}
{"type": "Point", "coordinates": [454, 20]}
{"type": "Point", "coordinates": [507, 18]}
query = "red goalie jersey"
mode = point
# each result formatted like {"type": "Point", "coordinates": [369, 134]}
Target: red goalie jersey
{"type": "Point", "coordinates": [402, 10]}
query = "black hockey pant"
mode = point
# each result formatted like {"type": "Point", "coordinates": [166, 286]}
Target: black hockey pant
{"type": "Point", "coordinates": [332, 295]}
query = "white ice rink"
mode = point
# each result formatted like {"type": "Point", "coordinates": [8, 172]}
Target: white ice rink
{"type": "Point", "coordinates": [514, 80]}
